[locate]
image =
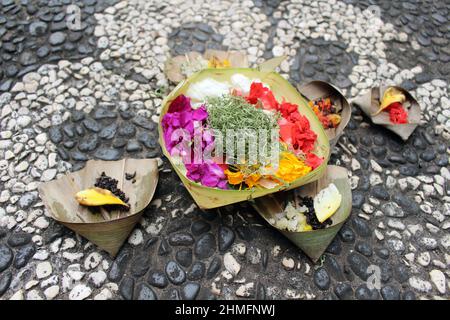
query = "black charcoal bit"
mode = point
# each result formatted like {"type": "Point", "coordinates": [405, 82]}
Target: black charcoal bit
{"type": "Point", "coordinates": [110, 184]}
{"type": "Point", "coordinates": [130, 176]}
{"type": "Point", "coordinates": [311, 218]}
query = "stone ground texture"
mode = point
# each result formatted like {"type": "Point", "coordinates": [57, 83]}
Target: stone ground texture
{"type": "Point", "coordinates": [68, 95]}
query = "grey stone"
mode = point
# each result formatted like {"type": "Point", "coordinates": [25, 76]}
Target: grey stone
{"type": "Point", "coordinates": [190, 291]}
{"type": "Point", "coordinates": [343, 291]}
{"type": "Point", "coordinates": [23, 255]}
{"type": "Point", "coordinates": [359, 264]}
{"type": "Point", "coordinates": [380, 192]}
{"type": "Point", "coordinates": [181, 239]}
{"type": "Point", "coordinates": [37, 28]}
{"type": "Point", "coordinates": [102, 113]}
{"type": "Point", "coordinates": [197, 271]}
{"type": "Point", "coordinates": [18, 239]}
{"type": "Point", "coordinates": [109, 154]}
{"type": "Point", "coordinates": [213, 268]}
{"type": "Point", "coordinates": [322, 279]}
{"type": "Point", "coordinates": [157, 278]}
{"type": "Point", "coordinates": [147, 139]}
{"type": "Point", "coordinates": [5, 282]}
{"type": "Point", "coordinates": [119, 265]}
{"type": "Point", "coordinates": [140, 265]}
{"type": "Point", "coordinates": [175, 273]}
{"type": "Point", "coordinates": [92, 125]}
{"type": "Point", "coordinates": [390, 293]}
{"type": "Point", "coordinates": [127, 130]}
{"type": "Point", "coordinates": [57, 38]}
{"type": "Point", "coordinates": [78, 156]}
{"type": "Point", "coordinates": [109, 131]}
{"type": "Point", "coordinates": [144, 292]}
{"type": "Point", "coordinates": [133, 146]}
{"type": "Point", "coordinates": [55, 135]}
{"type": "Point", "coordinates": [225, 238]}
{"type": "Point", "coordinates": [143, 123]}
{"type": "Point", "coordinates": [391, 209]}
{"type": "Point", "coordinates": [126, 288]}
{"type": "Point", "coordinates": [184, 257]}
{"type": "Point", "coordinates": [88, 143]}
{"type": "Point", "coordinates": [347, 234]}
{"type": "Point", "coordinates": [361, 227]}
{"type": "Point", "coordinates": [205, 246]}
{"type": "Point", "coordinates": [364, 293]}
{"type": "Point", "coordinates": [27, 200]}
{"type": "Point", "coordinates": [199, 227]}
{"type": "Point", "coordinates": [358, 199]}
{"type": "Point", "coordinates": [6, 256]}
{"type": "Point", "coordinates": [364, 248]}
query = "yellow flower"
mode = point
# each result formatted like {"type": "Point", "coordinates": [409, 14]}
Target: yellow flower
{"type": "Point", "coordinates": [291, 167]}
{"type": "Point", "coordinates": [234, 177]}
{"type": "Point", "coordinates": [217, 63]}
{"type": "Point", "coordinates": [252, 180]}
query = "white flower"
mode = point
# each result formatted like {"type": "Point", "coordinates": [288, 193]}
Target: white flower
{"type": "Point", "coordinates": [208, 87]}
{"type": "Point", "coordinates": [243, 83]}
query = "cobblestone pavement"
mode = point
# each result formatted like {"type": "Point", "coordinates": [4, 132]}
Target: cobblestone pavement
{"type": "Point", "coordinates": [68, 94]}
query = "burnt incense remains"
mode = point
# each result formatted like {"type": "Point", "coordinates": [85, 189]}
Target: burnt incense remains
{"type": "Point", "coordinates": [109, 183]}
{"type": "Point", "coordinates": [310, 214]}
{"type": "Point", "coordinates": [130, 176]}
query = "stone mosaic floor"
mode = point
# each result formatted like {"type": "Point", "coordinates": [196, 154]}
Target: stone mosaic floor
{"type": "Point", "coordinates": [71, 93]}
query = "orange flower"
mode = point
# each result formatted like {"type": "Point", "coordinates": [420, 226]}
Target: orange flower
{"type": "Point", "coordinates": [335, 119]}
{"type": "Point", "coordinates": [234, 177]}
{"type": "Point", "coordinates": [252, 180]}
{"type": "Point", "coordinates": [325, 111]}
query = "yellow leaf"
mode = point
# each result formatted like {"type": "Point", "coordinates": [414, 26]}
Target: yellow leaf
{"type": "Point", "coordinates": [98, 197]}
{"type": "Point", "coordinates": [390, 96]}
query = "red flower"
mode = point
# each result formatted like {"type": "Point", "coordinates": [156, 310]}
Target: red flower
{"type": "Point", "coordinates": [286, 129]}
{"type": "Point", "coordinates": [294, 128]}
{"type": "Point", "coordinates": [287, 109]}
{"type": "Point", "coordinates": [313, 161]}
{"type": "Point", "coordinates": [223, 166]}
{"type": "Point", "coordinates": [260, 93]}
{"type": "Point", "coordinates": [304, 136]}
{"type": "Point", "coordinates": [397, 114]}
{"type": "Point", "coordinates": [297, 133]}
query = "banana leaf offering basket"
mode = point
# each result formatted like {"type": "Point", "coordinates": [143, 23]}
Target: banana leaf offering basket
{"type": "Point", "coordinates": [319, 90]}
{"type": "Point", "coordinates": [209, 197]}
{"type": "Point", "coordinates": [313, 242]}
{"type": "Point", "coordinates": [109, 230]}
{"type": "Point", "coordinates": [371, 103]}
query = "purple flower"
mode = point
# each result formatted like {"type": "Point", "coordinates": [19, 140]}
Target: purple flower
{"type": "Point", "coordinates": [208, 174]}
{"type": "Point", "coordinates": [194, 172]}
{"type": "Point", "coordinates": [181, 103]}
{"type": "Point", "coordinates": [179, 133]}
{"type": "Point", "coordinates": [200, 114]}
